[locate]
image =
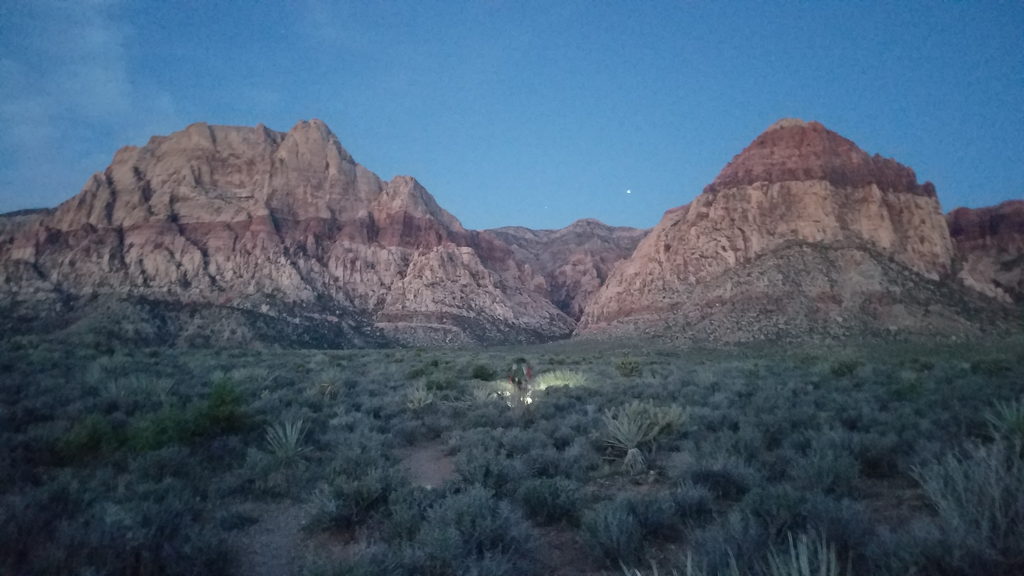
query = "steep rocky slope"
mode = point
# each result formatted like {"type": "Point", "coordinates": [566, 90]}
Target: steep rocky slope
{"type": "Point", "coordinates": [802, 233]}
{"type": "Point", "coordinates": [284, 225]}
{"type": "Point", "coordinates": [990, 245]}
{"type": "Point", "coordinates": [575, 260]}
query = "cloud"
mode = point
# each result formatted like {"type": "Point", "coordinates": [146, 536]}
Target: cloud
{"type": "Point", "coordinates": [67, 98]}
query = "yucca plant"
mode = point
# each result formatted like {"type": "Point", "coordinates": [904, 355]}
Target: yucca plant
{"type": "Point", "coordinates": [285, 440]}
{"type": "Point", "coordinates": [419, 397]}
{"type": "Point", "coordinates": [637, 424]}
{"type": "Point", "coordinates": [1006, 421]}
{"type": "Point", "coordinates": [978, 499]}
{"type": "Point", "coordinates": [806, 555]}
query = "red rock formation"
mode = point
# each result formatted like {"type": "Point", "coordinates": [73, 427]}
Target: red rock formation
{"type": "Point", "coordinates": [990, 247]}
{"type": "Point", "coordinates": [839, 240]}
{"type": "Point", "coordinates": [287, 224]}
{"type": "Point", "coordinates": [575, 260]}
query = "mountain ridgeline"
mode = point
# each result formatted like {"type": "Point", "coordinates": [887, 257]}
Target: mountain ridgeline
{"type": "Point", "coordinates": [239, 236]}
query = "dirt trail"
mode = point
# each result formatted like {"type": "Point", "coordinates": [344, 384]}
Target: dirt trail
{"type": "Point", "coordinates": [427, 464]}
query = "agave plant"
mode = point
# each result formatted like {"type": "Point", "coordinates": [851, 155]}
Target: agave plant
{"type": "Point", "coordinates": [285, 440]}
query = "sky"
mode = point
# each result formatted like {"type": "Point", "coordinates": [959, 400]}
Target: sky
{"type": "Point", "coordinates": [520, 112]}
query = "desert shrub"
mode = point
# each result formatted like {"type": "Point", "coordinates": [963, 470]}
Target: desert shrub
{"type": "Point", "coordinates": [550, 500]}
{"type": "Point", "coordinates": [628, 367]}
{"type": "Point", "coordinates": [222, 412]}
{"type": "Point", "coordinates": [474, 533]}
{"type": "Point", "coordinates": [991, 366]}
{"type": "Point", "coordinates": [444, 387]}
{"type": "Point", "coordinates": [169, 425]}
{"type": "Point", "coordinates": [579, 460]}
{"type": "Point", "coordinates": [877, 455]}
{"type": "Point", "coordinates": [620, 529]}
{"type": "Point", "coordinates": [778, 507]}
{"type": "Point", "coordinates": [350, 499]}
{"type": "Point", "coordinates": [67, 527]}
{"type": "Point", "coordinates": [407, 510]}
{"type": "Point", "coordinates": [979, 502]}
{"type": "Point", "coordinates": [733, 540]}
{"type": "Point", "coordinates": [485, 466]}
{"type": "Point", "coordinates": [829, 466]}
{"type": "Point", "coordinates": [371, 561]}
{"type": "Point", "coordinates": [483, 372]}
{"type": "Point", "coordinates": [727, 479]}
{"type": "Point", "coordinates": [692, 502]}
{"type": "Point", "coordinates": [845, 367]}
{"type": "Point", "coordinates": [614, 532]}
{"type": "Point", "coordinates": [90, 437]}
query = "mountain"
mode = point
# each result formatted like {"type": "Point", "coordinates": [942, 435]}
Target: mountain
{"type": "Point", "coordinates": [801, 234]}
{"type": "Point", "coordinates": [285, 232]}
{"type": "Point", "coordinates": [575, 261]}
{"type": "Point", "coordinates": [990, 245]}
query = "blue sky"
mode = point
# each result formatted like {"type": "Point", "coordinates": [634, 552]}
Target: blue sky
{"type": "Point", "coordinates": [518, 112]}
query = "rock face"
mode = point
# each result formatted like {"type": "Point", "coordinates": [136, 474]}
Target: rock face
{"type": "Point", "coordinates": [286, 225]}
{"type": "Point", "coordinates": [574, 261]}
{"type": "Point", "coordinates": [990, 245]}
{"type": "Point", "coordinates": [802, 232]}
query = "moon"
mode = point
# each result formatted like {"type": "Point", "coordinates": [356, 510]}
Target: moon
{"type": "Point", "coordinates": [629, 191]}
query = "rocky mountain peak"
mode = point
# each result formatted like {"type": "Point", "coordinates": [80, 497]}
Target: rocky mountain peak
{"type": "Point", "coordinates": [990, 248]}
{"type": "Point", "coordinates": [799, 202]}
{"type": "Point", "coordinates": [794, 150]}
{"type": "Point", "coordinates": [284, 225]}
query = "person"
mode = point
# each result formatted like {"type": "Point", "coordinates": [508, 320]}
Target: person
{"type": "Point", "coordinates": [519, 376]}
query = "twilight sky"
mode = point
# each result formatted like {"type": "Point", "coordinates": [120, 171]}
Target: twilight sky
{"type": "Point", "coordinates": [518, 112]}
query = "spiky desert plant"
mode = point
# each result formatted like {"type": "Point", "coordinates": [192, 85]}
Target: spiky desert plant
{"type": "Point", "coordinates": [1006, 421]}
{"type": "Point", "coordinates": [634, 463]}
{"type": "Point", "coordinates": [327, 385]}
{"type": "Point", "coordinates": [805, 555]}
{"type": "Point", "coordinates": [285, 440]}
{"type": "Point", "coordinates": [419, 397]}
{"type": "Point", "coordinates": [638, 424]}
{"type": "Point", "coordinates": [978, 500]}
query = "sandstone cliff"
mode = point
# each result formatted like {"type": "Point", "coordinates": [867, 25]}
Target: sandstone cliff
{"type": "Point", "coordinates": [802, 232]}
{"type": "Point", "coordinates": [286, 225]}
{"type": "Point", "coordinates": [576, 260]}
{"type": "Point", "coordinates": [990, 247]}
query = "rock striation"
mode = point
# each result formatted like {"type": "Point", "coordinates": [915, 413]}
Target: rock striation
{"type": "Point", "coordinates": [989, 244]}
{"type": "Point", "coordinates": [284, 225]}
{"type": "Point", "coordinates": [575, 261]}
{"type": "Point", "coordinates": [801, 233]}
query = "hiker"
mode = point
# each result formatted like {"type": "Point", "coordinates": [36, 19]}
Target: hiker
{"type": "Point", "coordinates": [519, 376]}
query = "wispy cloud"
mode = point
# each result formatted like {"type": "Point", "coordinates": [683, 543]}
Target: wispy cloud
{"type": "Point", "coordinates": [67, 98]}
